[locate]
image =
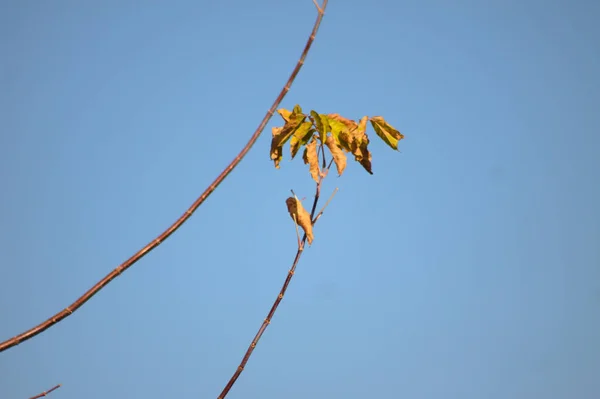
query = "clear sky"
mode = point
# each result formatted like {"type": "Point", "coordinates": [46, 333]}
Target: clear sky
{"type": "Point", "coordinates": [467, 266]}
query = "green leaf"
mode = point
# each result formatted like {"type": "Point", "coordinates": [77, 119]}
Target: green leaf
{"type": "Point", "coordinates": [386, 131]}
{"type": "Point", "coordinates": [297, 109]}
{"type": "Point", "coordinates": [301, 137]}
{"type": "Point", "coordinates": [341, 129]}
{"type": "Point", "coordinates": [322, 124]}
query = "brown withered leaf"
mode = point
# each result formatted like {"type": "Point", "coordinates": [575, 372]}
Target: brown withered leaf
{"type": "Point", "coordinates": [338, 155]}
{"type": "Point", "coordinates": [301, 137]}
{"type": "Point", "coordinates": [311, 158]}
{"type": "Point", "coordinates": [365, 156]}
{"type": "Point", "coordinates": [387, 132]}
{"type": "Point", "coordinates": [301, 216]}
{"type": "Point", "coordinates": [352, 137]}
{"type": "Point", "coordinates": [277, 152]}
{"type": "Point", "coordinates": [360, 141]}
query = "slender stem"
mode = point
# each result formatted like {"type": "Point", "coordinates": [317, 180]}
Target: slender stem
{"type": "Point", "coordinates": [182, 219]}
{"type": "Point", "coordinates": [40, 395]}
{"type": "Point", "coordinates": [297, 232]}
{"type": "Point", "coordinates": [274, 307]}
{"type": "Point", "coordinates": [283, 289]}
{"type": "Point", "coordinates": [325, 206]}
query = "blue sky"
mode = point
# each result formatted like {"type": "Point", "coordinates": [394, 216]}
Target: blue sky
{"type": "Point", "coordinates": [467, 266]}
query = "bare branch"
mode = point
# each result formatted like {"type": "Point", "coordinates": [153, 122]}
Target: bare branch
{"type": "Point", "coordinates": [41, 395]}
{"type": "Point", "coordinates": [183, 218]}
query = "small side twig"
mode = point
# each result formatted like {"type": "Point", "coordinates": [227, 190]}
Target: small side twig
{"type": "Point", "coordinates": [41, 395]}
{"type": "Point", "coordinates": [325, 206]}
{"type": "Point", "coordinates": [32, 332]}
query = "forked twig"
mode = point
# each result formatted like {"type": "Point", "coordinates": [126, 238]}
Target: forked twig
{"type": "Point", "coordinates": [284, 288]}
{"type": "Point", "coordinates": [41, 395]}
{"type": "Point", "coordinates": [183, 218]}
{"type": "Point", "coordinates": [320, 9]}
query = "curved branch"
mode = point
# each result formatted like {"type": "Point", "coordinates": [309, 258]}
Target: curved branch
{"type": "Point", "coordinates": [182, 219]}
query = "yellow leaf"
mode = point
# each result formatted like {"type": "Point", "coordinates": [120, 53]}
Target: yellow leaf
{"type": "Point", "coordinates": [281, 135]}
{"type": "Point", "coordinates": [338, 155]}
{"type": "Point", "coordinates": [311, 158]}
{"type": "Point", "coordinates": [352, 137]}
{"type": "Point", "coordinates": [386, 131]}
{"type": "Point", "coordinates": [340, 129]}
{"type": "Point", "coordinates": [285, 114]}
{"type": "Point", "coordinates": [350, 124]}
{"type": "Point", "coordinates": [300, 216]}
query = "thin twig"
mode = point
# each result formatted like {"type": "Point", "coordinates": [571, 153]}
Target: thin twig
{"type": "Point", "coordinates": [321, 10]}
{"type": "Point", "coordinates": [325, 206]}
{"type": "Point", "coordinates": [297, 232]}
{"type": "Point", "coordinates": [182, 219]}
{"type": "Point", "coordinates": [41, 395]}
{"type": "Point", "coordinates": [283, 290]}
{"type": "Point", "coordinates": [323, 152]}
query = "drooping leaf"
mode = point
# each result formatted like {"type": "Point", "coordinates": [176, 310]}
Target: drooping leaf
{"type": "Point", "coordinates": [311, 158]}
{"type": "Point", "coordinates": [352, 137]}
{"type": "Point", "coordinates": [360, 141]}
{"type": "Point", "coordinates": [363, 155]}
{"type": "Point", "coordinates": [282, 134]}
{"type": "Point", "coordinates": [338, 155]}
{"type": "Point", "coordinates": [301, 137]}
{"type": "Point", "coordinates": [277, 152]}
{"type": "Point", "coordinates": [322, 124]}
{"type": "Point", "coordinates": [386, 131]}
{"type": "Point", "coordinates": [300, 216]}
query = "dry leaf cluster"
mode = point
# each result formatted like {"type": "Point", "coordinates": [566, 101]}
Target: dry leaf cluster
{"type": "Point", "coordinates": [340, 135]}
